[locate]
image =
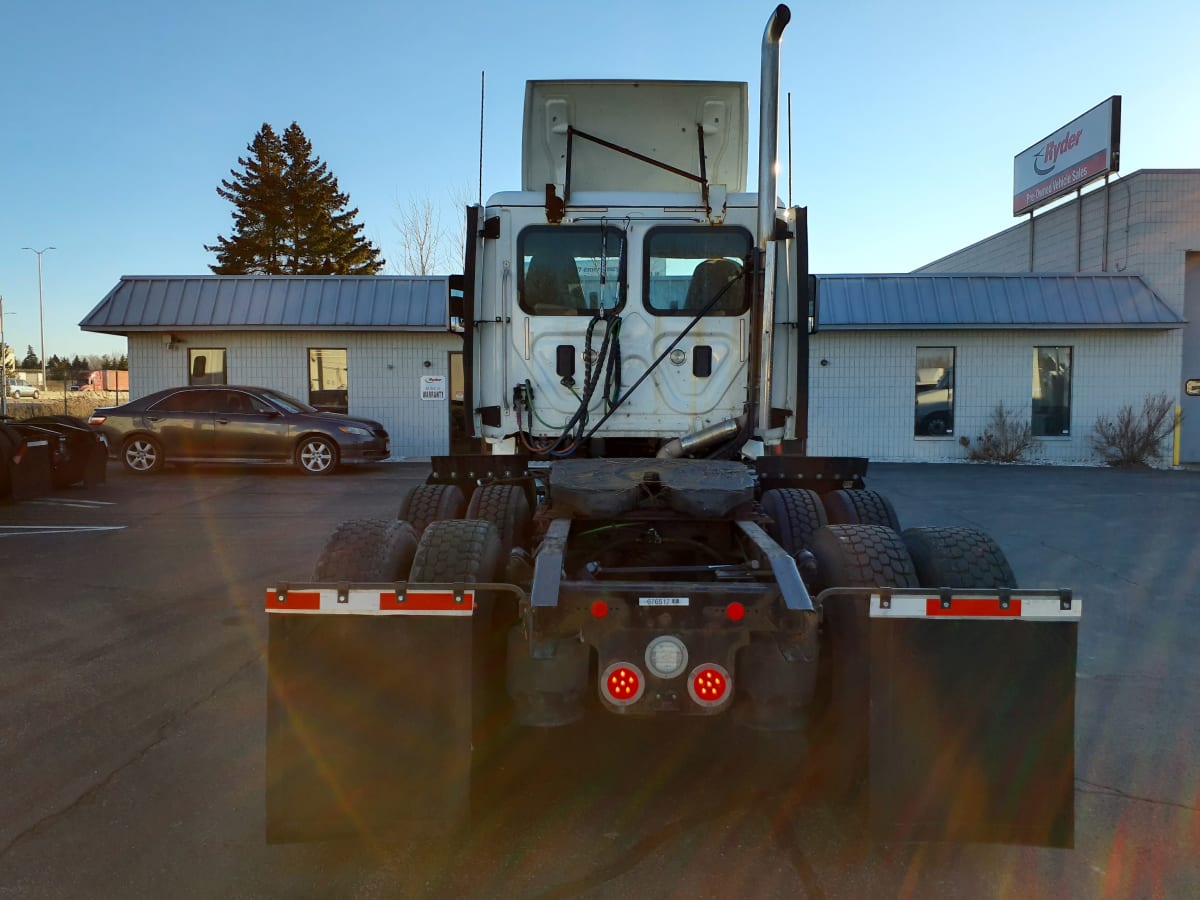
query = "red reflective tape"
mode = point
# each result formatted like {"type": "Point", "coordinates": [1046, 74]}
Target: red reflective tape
{"type": "Point", "coordinates": [973, 606]}
{"type": "Point", "coordinates": [426, 601]}
{"type": "Point", "coordinates": [294, 600]}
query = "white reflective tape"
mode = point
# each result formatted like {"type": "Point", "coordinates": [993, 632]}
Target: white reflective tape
{"type": "Point", "coordinates": [970, 605]}
{"type": "Point", "coordinates": [377, 601]}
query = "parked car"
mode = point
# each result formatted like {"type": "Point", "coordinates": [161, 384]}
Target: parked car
{"type": "Point", "coordinates": [234, 423]}
{"type": "Point", "coordinates": [17, 388]}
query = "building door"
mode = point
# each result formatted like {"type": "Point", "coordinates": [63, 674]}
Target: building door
{"type": "Point", "coordinates": [460, 432]}
{"type": "Point", "coordinates": [1189, 435]}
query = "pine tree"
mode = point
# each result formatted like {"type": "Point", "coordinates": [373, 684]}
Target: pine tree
{"type": "Point", "coordinates": [290, 217]}
{"type": "Point", "coordinates": [31, 360]}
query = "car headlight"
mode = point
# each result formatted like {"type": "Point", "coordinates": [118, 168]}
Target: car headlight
{"type": "Point", "coordinates": [354, 429]}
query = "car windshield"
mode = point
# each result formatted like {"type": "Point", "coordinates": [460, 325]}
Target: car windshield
{"type": "Point", "coordinates": [289, 404]}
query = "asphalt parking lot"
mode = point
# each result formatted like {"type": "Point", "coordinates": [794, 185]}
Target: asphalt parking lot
{"type": "Point", "coordinates": [132, 690]}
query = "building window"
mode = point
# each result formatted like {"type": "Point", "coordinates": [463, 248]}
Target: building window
{"type": "Point", "coordinates": [934, 411]}
{"type": "Point", "coordinates": [571, 271]}
{"type": "Point", "coordinates": [687, 268]}
{"type": "Point", "coordinates": [1051, 391]}
{"type": "Point", "coordinates": [206, 366]}
{"type": "Point", "coordinates": [328, 384]}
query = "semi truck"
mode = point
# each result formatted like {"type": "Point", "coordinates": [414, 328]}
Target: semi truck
{"type": "Point", "coordinates": [642, 532]}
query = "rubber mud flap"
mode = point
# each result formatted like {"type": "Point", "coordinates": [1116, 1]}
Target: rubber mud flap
{"type": "Point", "coordinates": [368, 725]}
{"type": "Point", "coordinates": [972, 730]}
{"type": "Point", "coordinates": [96, 469]}
{"type": "Point", "coordinates": [31, 472]}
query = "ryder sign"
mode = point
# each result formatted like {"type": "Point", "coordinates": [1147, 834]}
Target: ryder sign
{"type": "Point", "coordinates": [1084, 150]}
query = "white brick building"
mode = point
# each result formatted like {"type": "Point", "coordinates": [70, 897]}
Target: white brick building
{"type": "Point", "coordinates": [903, 366]}
{"type": "Point", "coordinates": [1147, 223]}
{"type": "Point", "coordinates": [365, 346]}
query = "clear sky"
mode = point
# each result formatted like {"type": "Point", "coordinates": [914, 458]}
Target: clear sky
{"type": "Point", "coordinates": [119, 118]}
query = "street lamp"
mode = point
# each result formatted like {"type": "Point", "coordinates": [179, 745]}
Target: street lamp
{"type": "Point", "coordinates": [41, 314]}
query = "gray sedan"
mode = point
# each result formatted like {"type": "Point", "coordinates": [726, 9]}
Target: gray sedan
{"type": "Point", "coordinates": [235, 424]}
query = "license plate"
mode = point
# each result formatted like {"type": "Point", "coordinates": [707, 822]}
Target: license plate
{"type": "Point", "coordinates": [662, 601]}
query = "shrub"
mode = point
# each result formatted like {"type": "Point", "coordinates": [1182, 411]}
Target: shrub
{"type": "Point", "coordinates": [1135, 439]}
{"type": "Point", "coordinates": [1004, 439]}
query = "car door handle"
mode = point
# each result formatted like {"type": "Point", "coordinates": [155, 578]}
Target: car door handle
{"type": "Point", "coordinates": [222, 421]}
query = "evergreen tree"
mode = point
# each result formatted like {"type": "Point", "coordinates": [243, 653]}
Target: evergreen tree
{"type": "Point", "coordinates": [290, 218]}
{"type": "Point", "coordinates": [31, 360]}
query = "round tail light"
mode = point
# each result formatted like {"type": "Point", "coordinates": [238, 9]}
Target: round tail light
{"type": "Point", "coordinates": [709, 685]}
{"type": "Point", "coordinates": [622, 684]}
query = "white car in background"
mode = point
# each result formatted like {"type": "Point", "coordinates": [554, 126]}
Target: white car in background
{"type": "Point", "coordinates": [18, 389]}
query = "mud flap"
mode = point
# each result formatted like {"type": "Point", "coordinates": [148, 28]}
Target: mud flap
{"type": "Point", "coordinates": [972, 717]}
{"type": "Point", "coordinates": [368, 724]}
{"type": "Point", "coordinates": [30, 469]}
{"type": "Point", "coordinates": [96, 470]}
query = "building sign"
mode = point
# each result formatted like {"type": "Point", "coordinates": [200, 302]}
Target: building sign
{"type": "Point", "coordinates": [433, 387]}
{"type": "Point", "coordinates": [1084, 150]}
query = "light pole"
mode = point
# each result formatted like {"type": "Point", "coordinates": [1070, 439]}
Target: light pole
{"type": "Point", "coordinates": [3, 361]}
{"type": "Point", "coordinates": [41, 314]}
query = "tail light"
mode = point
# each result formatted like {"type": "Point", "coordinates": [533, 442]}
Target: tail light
{"type": "Point", "coordinates": [622, 683]}
{"type": "Point", "coordinates": [709, 685]}
{"type": "Point", "coordinates": [96, 420]}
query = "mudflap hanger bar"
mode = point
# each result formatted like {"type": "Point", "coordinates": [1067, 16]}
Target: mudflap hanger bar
{"type": "Point", "coordinates": [385, 598]}
{"type": "Point", "coordinates": [971, 711]}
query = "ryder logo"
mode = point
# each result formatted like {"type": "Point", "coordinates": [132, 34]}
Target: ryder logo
{"type": "Point", "coordinates": [1053, 150]}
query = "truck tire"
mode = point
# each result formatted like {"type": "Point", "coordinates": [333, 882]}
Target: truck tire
{"type": "Point", "coordinates": [797, 514]}
{"type": "Point", "coordinates": [505, 506]}
{"type": "Point", "coordinates": [850, 556]}
{"type": "Point", "coordinates": [468, 551]}
{"type": "Point", "coordinates": [958, 557]}
{"type": "Point", "coordinates": [367, 550]}
{"type": "Point", "coordinates": [428, 503]}
{"type": "Point", "coordinates": [861, 507]}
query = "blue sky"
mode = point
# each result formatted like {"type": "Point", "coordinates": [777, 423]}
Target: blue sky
{"type": "Point", "coordinates": [118, 119]}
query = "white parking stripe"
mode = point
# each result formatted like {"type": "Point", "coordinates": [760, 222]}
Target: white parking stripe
{"type": "Point", "coordinates": [29, 530]}
{"type": "Point", "coordinates": [78, 504]}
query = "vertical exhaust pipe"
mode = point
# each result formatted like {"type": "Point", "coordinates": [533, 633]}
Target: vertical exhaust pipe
{"type": "Point", "coordinates": [768, 123]}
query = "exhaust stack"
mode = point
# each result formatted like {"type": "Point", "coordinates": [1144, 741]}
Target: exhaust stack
{"type": "Point", "coordinates": [768, 123]}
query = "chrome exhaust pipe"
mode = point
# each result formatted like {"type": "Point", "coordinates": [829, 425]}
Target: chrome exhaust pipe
{"type": "Point", "coordinates": [768, 123]}
{"type": "Point", "coordinates": [698, 440]}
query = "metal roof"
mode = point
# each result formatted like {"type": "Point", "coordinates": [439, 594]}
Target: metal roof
{"type": "Point", "coordinates": [273, 303]}
{"type": "Point", "coordinates": [909, 302]}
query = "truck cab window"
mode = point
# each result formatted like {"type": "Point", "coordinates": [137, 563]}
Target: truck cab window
{"type": "Point", "coordinates": [687, 267]}
{"type": "Point", "coordinates": [570, 271]}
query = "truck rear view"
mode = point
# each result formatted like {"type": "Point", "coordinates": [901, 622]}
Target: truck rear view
{"type": "Point", "coordinates": [644, 536]}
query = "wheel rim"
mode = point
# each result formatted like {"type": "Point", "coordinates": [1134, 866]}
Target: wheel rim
{"type": "Point", "coordinates": [141, 456]}
{"type": "Point", "coordinates": [316, 456]}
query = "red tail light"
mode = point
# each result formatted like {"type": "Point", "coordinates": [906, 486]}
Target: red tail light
{"type": "Point", "coordinates": [622, 683]}
{"type": "Point", "coordinates": [709, 685]}
{"type": "Point", "coordinates": [96, 420]}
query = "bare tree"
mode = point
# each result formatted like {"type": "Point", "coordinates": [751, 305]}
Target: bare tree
{"type": "Point", "coordinates": [427, 246]}
{"type": "Point", "coordinates": [422, 239]}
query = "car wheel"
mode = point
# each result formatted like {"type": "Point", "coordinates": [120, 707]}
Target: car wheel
{"type": "Point", "coordinates": [142, 454]}
{"type": "Point", "coordinates": [317, 455]}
